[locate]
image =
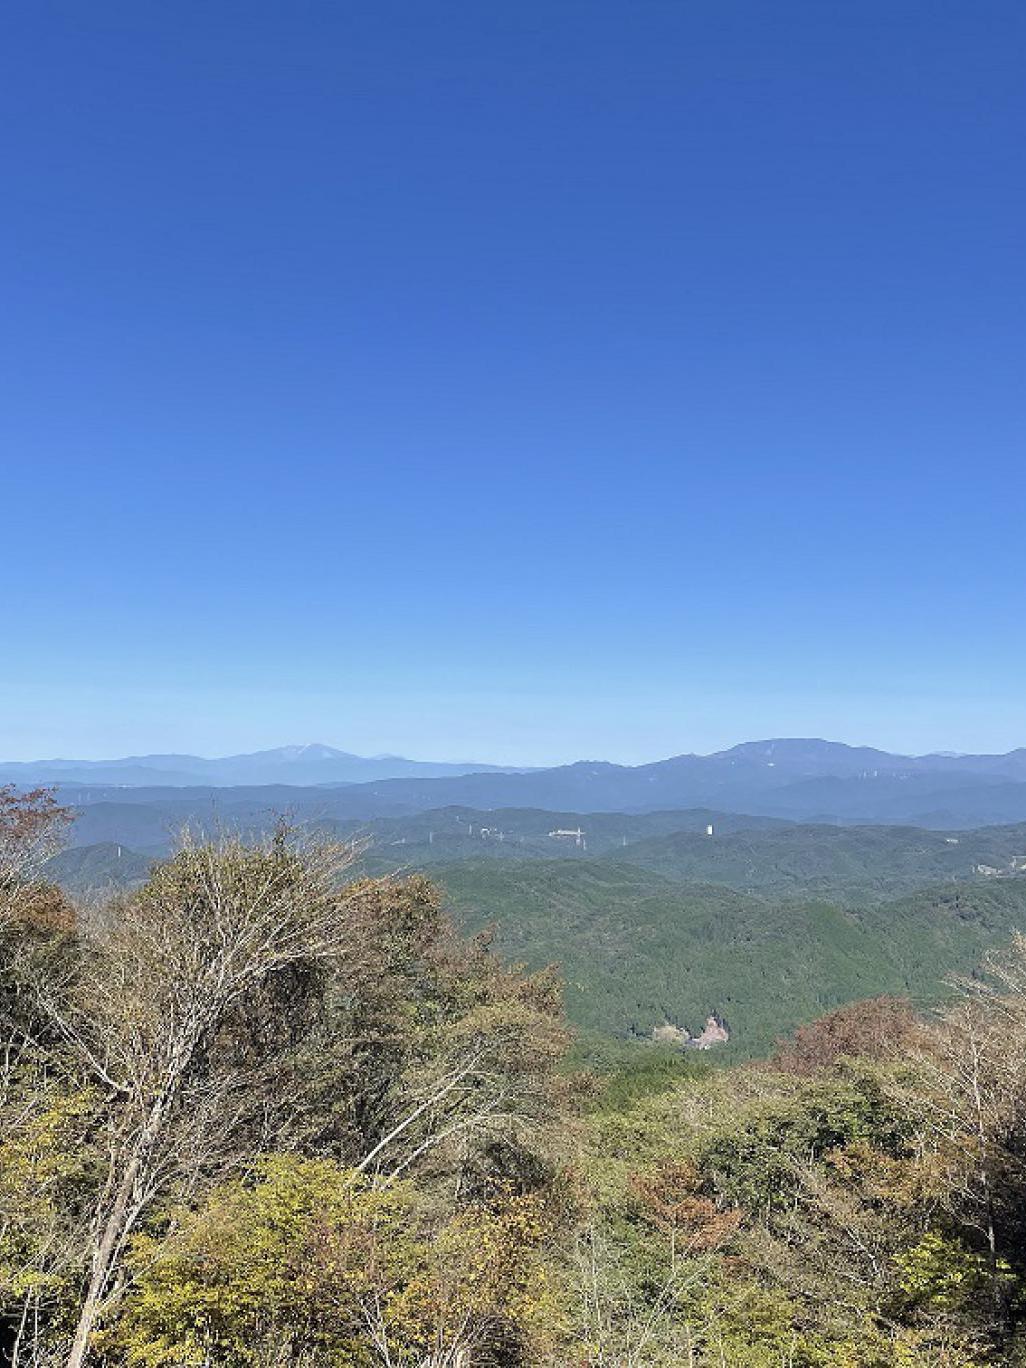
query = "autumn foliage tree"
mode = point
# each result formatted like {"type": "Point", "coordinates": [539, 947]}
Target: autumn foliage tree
{"type": "Point", "coordinates": [253, 1000]}
{"type": "Point", "coordinates": [877, 1028]}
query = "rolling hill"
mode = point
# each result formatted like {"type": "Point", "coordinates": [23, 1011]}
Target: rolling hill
{"type": "Point", "coordinates": [638, 950]}
{"type": "Point", "coordinates": [765, 922]}
{"type": "Point", "coordinates": [855, 862]}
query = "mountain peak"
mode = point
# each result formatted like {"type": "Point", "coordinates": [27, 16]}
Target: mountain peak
{"type": "Point", "coordinates": [311, 750]}
{"type": "Point", "coordinates": [799, 748]}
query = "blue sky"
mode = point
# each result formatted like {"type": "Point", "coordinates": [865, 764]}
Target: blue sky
{"type": "Point", "coordinates": [512, 381]}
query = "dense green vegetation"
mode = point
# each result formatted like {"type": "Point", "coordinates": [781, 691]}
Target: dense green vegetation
{"type": "Point", "coordinates": [637, 950]}
{"type": "Point", "coordinates": [766, 924]}
{"type": "Point", "coordinates": [103, 866]}
{"type": "Point", "coordinates": [854, 863]}
{"type": "Point", "coordinates": [261, 1110]}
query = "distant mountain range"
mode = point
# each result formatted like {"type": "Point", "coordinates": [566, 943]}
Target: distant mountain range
{"type": "Point", "coordinates": [310, 764]}
{"type": "Point", "coordinates": [797, 779]}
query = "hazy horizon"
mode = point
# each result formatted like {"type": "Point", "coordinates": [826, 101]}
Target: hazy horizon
{"type": "Point", "coordinates": [490, 758]}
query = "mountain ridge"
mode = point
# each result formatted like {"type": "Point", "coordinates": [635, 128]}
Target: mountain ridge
{"type": "Point", "coordinates": [794, 778]}
{"type": "Point", "coordinates": [306, 764]}
{"type": "Point", "coordinates": [788, 777]}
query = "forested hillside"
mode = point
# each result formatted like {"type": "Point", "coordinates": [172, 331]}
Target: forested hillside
{"type": "Point", "coordinates": [262, 1109]}
{"type": "Point", "coordinates": [654, 921]}
{"type": "Point", "coordinates": [638, 950]}
{"type": "Point", "coordinates": [854, 862]}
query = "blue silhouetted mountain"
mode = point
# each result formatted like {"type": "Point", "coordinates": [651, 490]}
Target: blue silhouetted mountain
{"type": "Point", "coordinates": [309, 764]}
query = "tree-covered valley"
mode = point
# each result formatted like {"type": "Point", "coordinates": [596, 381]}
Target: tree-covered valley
{"type": "Point", "coordinates": [656, 919]}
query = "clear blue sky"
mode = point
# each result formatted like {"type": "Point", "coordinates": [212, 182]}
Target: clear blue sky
{"type": "Point", "coordinates": [517, 381]}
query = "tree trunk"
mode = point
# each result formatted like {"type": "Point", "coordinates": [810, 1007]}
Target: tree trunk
{"type": "Point", "coordinates": [103, 1263]}
{"type": "Point", "coordinates": [118, 1224]}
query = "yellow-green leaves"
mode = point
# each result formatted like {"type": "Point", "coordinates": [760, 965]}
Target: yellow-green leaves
{"type": "Point", "coordinates": [315, 1259]}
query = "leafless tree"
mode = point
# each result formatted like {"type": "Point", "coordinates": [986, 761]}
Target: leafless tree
{"type": "Point", "coordinates": [972, 1095]}
{"type": "Point", "coordinates": [142, 1008]}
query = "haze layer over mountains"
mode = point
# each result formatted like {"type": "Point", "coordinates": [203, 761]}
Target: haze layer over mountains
{"type": "Point", "coordinates": [309, 764]}
{"type": "Point", "coordinates": [796, 779]}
